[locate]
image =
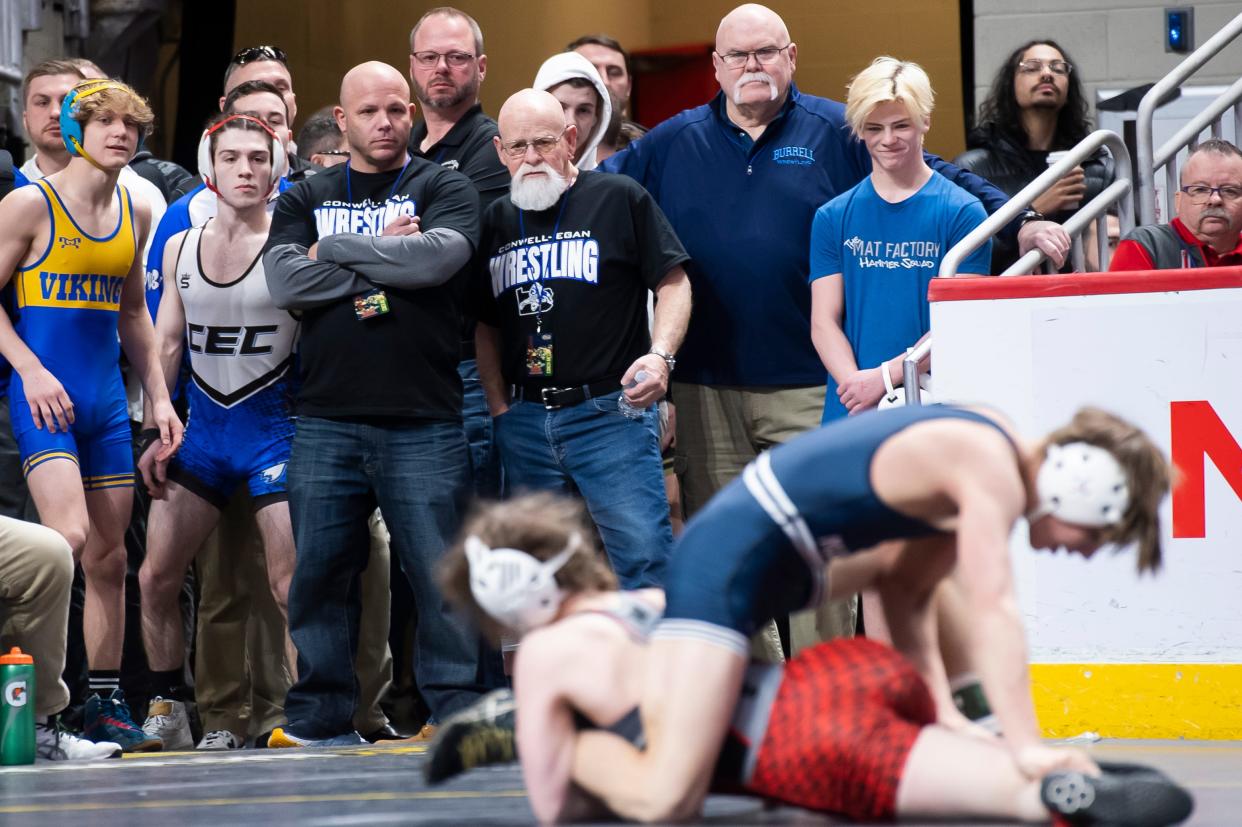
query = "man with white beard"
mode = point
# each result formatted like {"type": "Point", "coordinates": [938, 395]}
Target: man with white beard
{"type": "Point", "coordinates": [570, 370]}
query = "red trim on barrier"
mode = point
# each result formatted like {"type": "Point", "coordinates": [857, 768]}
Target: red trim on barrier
{"type": "Point", "coordinates": [1082, 284]}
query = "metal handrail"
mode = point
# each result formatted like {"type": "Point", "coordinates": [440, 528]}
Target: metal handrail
{"type": "Point", "coordinates": [1145, 138]}
{"type": "Point", "coordinates": [910, 371]}
{"type": "Point", "coordinates": [1114, 193]}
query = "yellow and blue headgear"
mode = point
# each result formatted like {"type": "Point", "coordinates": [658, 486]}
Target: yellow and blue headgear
{"type": "Point", "coordinates": [71, 128]}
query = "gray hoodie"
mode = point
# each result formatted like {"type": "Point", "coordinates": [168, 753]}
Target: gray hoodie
{"type": "Point", "coordinates": [560, 68]}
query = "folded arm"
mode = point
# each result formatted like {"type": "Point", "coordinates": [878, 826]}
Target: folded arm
{"type": "Point", "coordinates": [425, 259]}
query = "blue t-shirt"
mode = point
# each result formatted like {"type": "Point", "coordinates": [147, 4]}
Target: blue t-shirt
{"type": "Point", "coordinates": [887, 254]}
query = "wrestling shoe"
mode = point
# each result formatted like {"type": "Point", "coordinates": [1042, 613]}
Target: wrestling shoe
{"type": "Point", "coordinates": [54, 744]}
{"type": "Point", "coordinates": [109, 719]}
{"type": "Point", "coordinates": [168, 723]}
{"type": "Point", "coordinates": [282, 738]}
{"type": "Point", "coordinates": [219, 740]}
{"type": "Point", "coordinates": [480, 734]}
{"type": "Point", "coordinates": [1125, 795]}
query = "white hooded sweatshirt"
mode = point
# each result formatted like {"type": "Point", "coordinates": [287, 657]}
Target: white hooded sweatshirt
{"type": "Point", "coordinates": [560, 68]}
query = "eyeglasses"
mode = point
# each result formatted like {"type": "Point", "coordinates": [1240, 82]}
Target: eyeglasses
{"type": "Point", "coordinates": [766, 56]}
{"type": "Point", "coordinates": [454, 60]}
{"type": "Point", "coordinates": [1201, 193]}
{"type": "Point", "coordinates": [543, 146]}
{"type": "Point", "coordinates": [1035, 67]}
{"type": "Point", "coordinates": [252, 53]}
{"type": "Point", "coordinates": [341, 153]}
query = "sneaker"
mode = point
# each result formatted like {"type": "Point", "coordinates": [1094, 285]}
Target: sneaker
{"type": "Point", "coordinates": [109, 719]}
{"type": "Point", "coordinates": [481, 734]}
{"type": "Point", "coordinates": [54, 744]}
{"type": "Point", "coordinates": [167, 723]}
{"type": "Point", "coordinates": [384, 733]}
{"type": "Point", "coordinates": [1127, 795]}
{"type": "Point", "coordinates": [282, 737]}
{"type": "Point", "coordinates": [220, 740]}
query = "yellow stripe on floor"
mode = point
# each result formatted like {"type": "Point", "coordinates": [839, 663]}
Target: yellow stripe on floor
{"type": "Point", "coordinates": [1139, 700]}
{"type": "Point", "coordinates": [257, 801]}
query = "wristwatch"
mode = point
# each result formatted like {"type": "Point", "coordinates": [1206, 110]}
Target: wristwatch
{"type": "Point", "coordinates": [666, 356]}
{"type": "Point", "coordinates": [1028, 215]}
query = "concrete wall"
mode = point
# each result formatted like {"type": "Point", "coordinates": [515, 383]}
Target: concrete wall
{"type": "Point", "coordinates": [835, 40]}
{"type": "Point", "coordinates": [1113, 43]}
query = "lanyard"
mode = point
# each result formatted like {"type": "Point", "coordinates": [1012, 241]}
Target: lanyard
{"type": "Point", "coordinates": [538, 286]}
{"type": "Point", "coordinates": [349, 190]}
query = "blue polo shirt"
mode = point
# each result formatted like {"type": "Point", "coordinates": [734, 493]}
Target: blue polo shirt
{"type": "Point", "coordinates": [743, 211]}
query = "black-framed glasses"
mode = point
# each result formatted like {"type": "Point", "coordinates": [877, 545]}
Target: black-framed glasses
{"type": "Point", "coordinates": [1036, 67]}
{"type": "Point", "coordinates": [766, 56]}
{"type": "Point", "coordinates": [544, 145]}
{"type": "Point", "coordinates": [1202, 193]}
{"type": "Point", "coordinates": [454, 60]}
{"type": "Point", "coordinates": [252, 53]}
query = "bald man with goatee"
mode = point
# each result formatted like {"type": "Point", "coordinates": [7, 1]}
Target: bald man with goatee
{"type": "Point", "coordinates": [371, 253]}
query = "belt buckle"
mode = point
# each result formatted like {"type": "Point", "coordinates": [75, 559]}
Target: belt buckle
{"type": "Point", "coordinates": [544, 393]}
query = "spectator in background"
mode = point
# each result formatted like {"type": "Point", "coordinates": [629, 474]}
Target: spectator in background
{"type": "Point", "coordinates": [574, 82]}
{"type": "Point", "coordinates": [875, 249]}
{"type": "Point", "coordinates": [740, 179]}
{"type": "Point", "coordinates": [1036, 106]}
{"type": "Point", "coordinates": [1207, 231]}
{"type": "Point", "coordinates": [563, 335]}
{"type": "Point", "coordinates": [616, 68]}
{"type": "Point", "coordinates": [376, 279]}
{"type": "Point", "coordinates": [321, 141]}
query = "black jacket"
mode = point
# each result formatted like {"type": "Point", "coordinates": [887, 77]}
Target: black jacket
{"type": "Point", "coordinates": [1000, 157]}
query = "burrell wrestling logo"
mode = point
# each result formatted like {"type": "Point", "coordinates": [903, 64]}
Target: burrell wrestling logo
{"type": "Point", "coordinates": [796, 155]}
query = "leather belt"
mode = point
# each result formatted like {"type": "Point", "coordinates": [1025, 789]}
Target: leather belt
{"type": "Point", "coordinates": [553, 397]}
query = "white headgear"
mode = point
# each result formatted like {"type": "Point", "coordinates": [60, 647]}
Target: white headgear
{"type": "Point", "coordinates": [514, 588]}
{"type": "Point", "coordinates": [206, 165]}
{"type": "Point", "coordinates": [1082, 484]}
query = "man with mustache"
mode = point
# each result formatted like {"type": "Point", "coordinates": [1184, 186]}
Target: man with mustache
{"type": "Point", "coordinates": [570, 370]}
{"type": "Point", "coordinates": [740, 179]}
{"type": "Point", "coordinates": [1207, 231]}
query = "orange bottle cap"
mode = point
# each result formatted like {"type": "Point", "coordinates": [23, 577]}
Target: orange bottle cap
{"type": "Point", "coordinates": [15, 656]}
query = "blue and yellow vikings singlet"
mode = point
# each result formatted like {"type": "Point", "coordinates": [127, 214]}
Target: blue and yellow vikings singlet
{"type": "Point", "coordinates": [68, 307]}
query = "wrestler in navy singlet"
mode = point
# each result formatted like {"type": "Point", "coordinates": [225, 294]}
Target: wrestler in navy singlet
{"type": "Point", "coordinates": [759, 548]}
{"type": "Point", "coordinates": [241, 364]}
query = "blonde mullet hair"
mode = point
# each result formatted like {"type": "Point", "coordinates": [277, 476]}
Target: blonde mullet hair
{"type": "Point", "coordinates": [888, 79]}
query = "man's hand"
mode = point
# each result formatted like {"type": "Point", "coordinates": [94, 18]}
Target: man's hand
{"type": "Point", "coordinates": [154, 471]}
{"type": "Point", "coordinates": [668, 439]}
{"type": "Point", "coordinates": [652, 389]}
{"type": "Point", "coordinates": [1065, 194]}
{"type": "Point", "coordinates": [313, 252]}
{"type": "Point", "coordinates": [403, 225]}
{"type": "Point", "coordinates": [1038, 760]}
{"type": "Point", "coordinates": [50, 405]}
{"type": "Point", "coordinates": [170, 427]}
{"type": "Point", "coordinates": [1048, 236]}
{"type": "Point", "coordinates": [862, 391]}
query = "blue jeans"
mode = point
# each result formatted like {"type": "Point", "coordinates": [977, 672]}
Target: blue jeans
{"type": "Point", "coordinates": [612, 461]}
{"type": "Point", "coordinates": [484, 458]}
{"type": "Point", "coordinates": [338, 473]}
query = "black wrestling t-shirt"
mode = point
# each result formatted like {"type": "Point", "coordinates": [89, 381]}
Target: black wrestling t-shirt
{"type": "Point", "coordinates": [574, 279]}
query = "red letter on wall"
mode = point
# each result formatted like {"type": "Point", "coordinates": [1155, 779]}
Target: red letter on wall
{"type": "Point", "coordinates": [1197, 431]}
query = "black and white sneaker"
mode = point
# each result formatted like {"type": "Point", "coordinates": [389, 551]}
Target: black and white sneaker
{"type": "Point", "coordinates": [1125, 795]}
{"type": "Point", "coordinates": [481, 734]}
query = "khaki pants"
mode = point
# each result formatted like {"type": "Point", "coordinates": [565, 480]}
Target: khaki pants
{"type": "Point", "coordinates": [36, 573]}
{"type": "Point", "coordinates": [720, 429]}
{"type": "Point", "coordinates": [240, 673]}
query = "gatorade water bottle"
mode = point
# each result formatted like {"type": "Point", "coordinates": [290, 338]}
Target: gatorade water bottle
{"type": "Point", "coordinates": [17, 718]}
